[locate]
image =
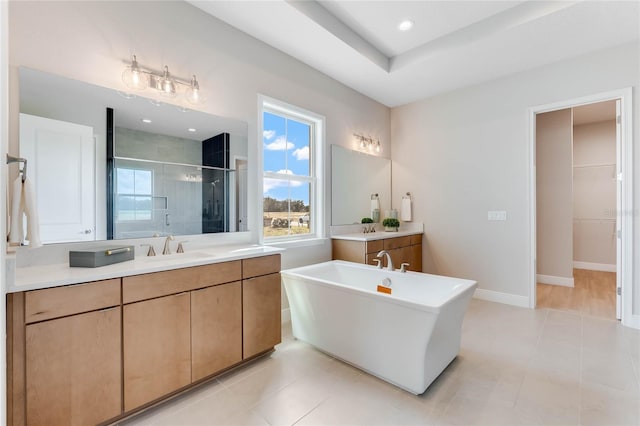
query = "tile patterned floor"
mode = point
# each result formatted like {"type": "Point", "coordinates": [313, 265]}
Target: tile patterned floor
{"type": "Point", "coordinates": [516, 367]}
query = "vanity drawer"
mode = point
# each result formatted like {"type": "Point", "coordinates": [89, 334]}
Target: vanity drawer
{"type": "Point", "coordinates": [156, 284]}
{"type": "Point", "coordinates": [72, 299]}
{"type": "Point", "coordinates": [394, 243]}
{"type": "Point", "coordinates": [375, 246]}
{"type": "Point", "coordinates": [416, 239]}
{"type": "Point", "coordinates": [257, 266]}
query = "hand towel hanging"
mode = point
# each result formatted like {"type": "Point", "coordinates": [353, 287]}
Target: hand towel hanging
{"type": "Point", "coordinates": [405, 210]}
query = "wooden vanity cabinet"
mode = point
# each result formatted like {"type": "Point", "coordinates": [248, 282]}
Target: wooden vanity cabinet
{"type": "Point", "coordinates": [73, 369]}
{"type": "Point", "coordinates": [216, 329]}
{"type": "Point", "coordinates": [261, 304]}
{"type": "Point", "coordinates": [158, 333]}
{"type": "Point", "coordinates": [157, 348]}
{"type": "Point", "coordinates": [92, 353]}
{"type": "Point", "coordinates": [64, 355]}
{"type": "Point", "coordinates": [405, 249]}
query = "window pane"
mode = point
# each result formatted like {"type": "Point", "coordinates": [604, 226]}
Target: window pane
{"type": "Point", "coordinates": [125, 207]}
{"type": "Point", "coordinates": [143, 182]}
{"type": "Point", "coordinates": [298, 156]}
{"type": "Point", "coordinates": [287, 214]}
{"type": "Point", "coordinates": [134, 189]}
{"type": "Point", "coordinates": [124, 181]}
{"type": "Point", "coordinates": [300, 212]}
{"type": "Point", "coordinates": [275, 142]}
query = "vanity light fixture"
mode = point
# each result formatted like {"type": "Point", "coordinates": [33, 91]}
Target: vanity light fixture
{"type": "Point", "coordinates": [137, 78]}
{"type": "Point", "coordinates": [368, 143]}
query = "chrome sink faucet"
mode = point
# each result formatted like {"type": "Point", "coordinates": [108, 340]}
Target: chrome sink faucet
{"type": "Point", "coordinates": [389, 261]}
{"type": "Point", "coordinates": [167, 248]}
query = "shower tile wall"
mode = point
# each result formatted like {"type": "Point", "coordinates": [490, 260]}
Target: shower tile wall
{"type": "Point", "coordinates": [150, 146]}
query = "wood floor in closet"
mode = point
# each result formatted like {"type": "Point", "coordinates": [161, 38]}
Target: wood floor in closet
{"type": "Point", "coordinates": [594, 294]}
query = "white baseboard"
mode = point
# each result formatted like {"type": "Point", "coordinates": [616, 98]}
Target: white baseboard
{"type": "Point", "coordinates": [506, 298]}
{"type": "Point", "coordinates": [550, 279]}
{"type": "Point", "coordinates": [286, 315]}
{"type": "Point", "coordinates": [594, 266]}
{"type": "Point", "coordinates": [634, 323]}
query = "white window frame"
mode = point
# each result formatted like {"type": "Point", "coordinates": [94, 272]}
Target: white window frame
{"type": "Point", "coordinates": [316, 168]}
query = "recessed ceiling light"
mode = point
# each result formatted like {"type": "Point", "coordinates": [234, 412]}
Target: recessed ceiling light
{"type": "Point", "coordinates": [146, 120]}
{"type": "Point", "coordinates": [191, 129]}
{"type": "Point", "coordinates": [405, 25]}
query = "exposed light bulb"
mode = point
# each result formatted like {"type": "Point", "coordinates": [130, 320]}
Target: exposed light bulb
{"type": "Point", "coordinates": [167, 87]}
{"type": "Point", "coordinates": [133, 77]}
{"type": "Point", "coordinates": [194, 95]}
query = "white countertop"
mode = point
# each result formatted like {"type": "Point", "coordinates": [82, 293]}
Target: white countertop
{"type": "Point", "coordinates": [54, 275]}
{"type": "Point", "coordinates": [378, 235]}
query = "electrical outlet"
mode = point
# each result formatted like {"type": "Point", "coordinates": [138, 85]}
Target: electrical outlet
{"type": "Point", "coordinates": [497, 215]}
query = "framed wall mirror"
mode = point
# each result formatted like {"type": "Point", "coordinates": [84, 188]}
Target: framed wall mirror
{"type": "Point", "coordinates": [107, 164]}
{"type": "Point", "coordinates": [354, 177]}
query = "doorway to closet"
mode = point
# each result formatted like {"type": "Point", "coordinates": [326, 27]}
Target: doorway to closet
{"type": "Point", "coordinates": [580, 234]}
{"type": "Point", "coordinates": [576, 205]}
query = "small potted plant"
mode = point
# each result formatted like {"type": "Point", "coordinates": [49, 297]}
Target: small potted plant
{"type": "Point", "coordinates": [368, 225]}
{"type": "Point", "coordinates": [390, 224]}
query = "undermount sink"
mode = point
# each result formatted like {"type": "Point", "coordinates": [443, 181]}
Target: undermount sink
{"type": "Point", "coordinates": [177, 257]}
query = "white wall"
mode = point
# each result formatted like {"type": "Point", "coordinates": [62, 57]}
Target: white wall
{"type": "Point", "coordinates": [554, 195]}
{"type": "Point", "coordinates": [465, 152]}
{"type": "Point", "coordinates": [89, 41]}
{"type": "Point", "coordinates": [594, 193]}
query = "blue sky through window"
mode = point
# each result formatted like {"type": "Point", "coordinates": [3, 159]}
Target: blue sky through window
{"type": "Point", "coordinates": [286, 151]}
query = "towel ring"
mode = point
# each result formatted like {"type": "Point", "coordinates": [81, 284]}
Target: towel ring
{"type": "Point", "coordinates": [11, 159]}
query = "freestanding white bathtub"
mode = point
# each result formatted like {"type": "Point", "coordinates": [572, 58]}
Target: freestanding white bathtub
{"type": "Point", "coordinates": [406, 338]}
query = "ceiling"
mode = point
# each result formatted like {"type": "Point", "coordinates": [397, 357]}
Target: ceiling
{"type": "Point", "coordinates": [453, 43]}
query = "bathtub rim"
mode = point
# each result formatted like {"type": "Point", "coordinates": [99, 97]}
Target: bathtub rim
{"type": "Point", "coordinates": [297, 273]}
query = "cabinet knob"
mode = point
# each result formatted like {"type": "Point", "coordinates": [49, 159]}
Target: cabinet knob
{"type": "Point", "coordinates": [86, 231]}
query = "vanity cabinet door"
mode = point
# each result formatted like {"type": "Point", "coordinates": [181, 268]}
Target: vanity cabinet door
{"type": "Point", "coordinates": [416, 258]}
{"type": "Point", "coordinates": [216, 329]}
{"type": "Point", "coordinates": [73, 369]}
{"type": "Point", "coordinates": [261, 311]}
{"type": "Point", "coordinates": [157, 348]}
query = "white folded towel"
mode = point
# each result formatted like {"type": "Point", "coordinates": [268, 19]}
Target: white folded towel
{"type": "Point", "coordinates": [16, 230]}
{"type": "Point", "coordinates": [24, 203]}
{"type": "Point", "coordinates": [31, 211]}
{"type": "Point", "coordinates": [405, 210]}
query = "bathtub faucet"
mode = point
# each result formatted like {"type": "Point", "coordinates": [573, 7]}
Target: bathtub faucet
{"type": "Point", "coordinates": [389, 261]}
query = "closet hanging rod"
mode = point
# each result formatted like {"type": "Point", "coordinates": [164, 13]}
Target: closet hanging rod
{"type": "Point", "coordinates": [11, 159]}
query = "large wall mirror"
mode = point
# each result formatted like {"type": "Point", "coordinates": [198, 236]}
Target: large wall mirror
{"type": "Point", "coordinates": [109, 165]}
{"type": "Point", "coordinates": [354, 177]}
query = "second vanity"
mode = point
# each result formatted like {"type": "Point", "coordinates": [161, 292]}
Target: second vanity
{"type": "Point", "coordinates": [403, 247]}
{"type": "Point", "coordinates": [89, 346]}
